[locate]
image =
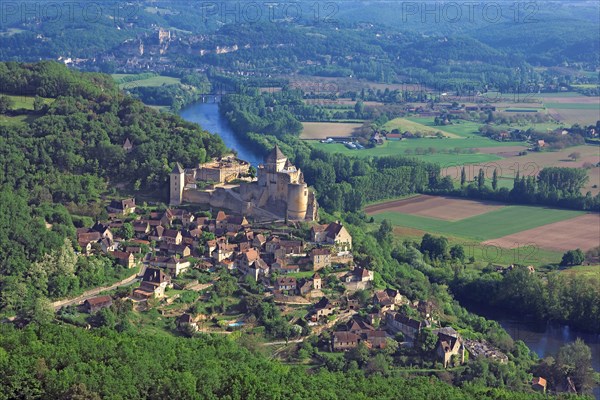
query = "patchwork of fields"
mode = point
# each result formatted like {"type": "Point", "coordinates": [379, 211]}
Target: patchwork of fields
{"type": "Point", "coordinates": [542, 234]}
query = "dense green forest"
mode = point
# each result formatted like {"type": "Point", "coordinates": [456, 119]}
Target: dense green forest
{"type": "Point", "coordinates": [63, 362]}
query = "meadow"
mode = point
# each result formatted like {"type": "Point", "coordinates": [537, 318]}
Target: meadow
{"type": "Point", "coordinates": [153, 81]}
{"type": "Point", "coordinates": [21, 103]}
{"type": "Point", "coordinates": [25, 102]}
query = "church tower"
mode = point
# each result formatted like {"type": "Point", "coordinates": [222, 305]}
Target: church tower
{"type": "Point", "coordinates": [177, 179]}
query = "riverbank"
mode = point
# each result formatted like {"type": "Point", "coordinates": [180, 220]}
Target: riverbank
{"type": "Point", "coordinates": [210, 119]}
{"type": "Point", "coordinates": [545, 339]}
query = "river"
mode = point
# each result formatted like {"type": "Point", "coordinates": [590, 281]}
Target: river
{"type": "Point", "coordinates": [544, 339]}
{"type": "Point", "coordinates": [209, 118]}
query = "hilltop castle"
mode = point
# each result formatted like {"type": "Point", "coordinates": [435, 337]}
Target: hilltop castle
{"type": "Point", "coordinates": [279, 191]}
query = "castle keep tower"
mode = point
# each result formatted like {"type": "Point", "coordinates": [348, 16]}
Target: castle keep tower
{"type": "Point", "coordinates": [177, 184]}
{"type": "Point", "coordinates": [283, 185]}
{"type": "Point", "coordinates": [297, 201]}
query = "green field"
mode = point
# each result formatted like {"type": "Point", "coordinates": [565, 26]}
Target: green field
{"type": "Point", "coordinates": [485, 254]}
{"type": "Point", "coordinates": [154, 81]}
{"type": "Point", "coordinates": [390, 148]}
{"type": "Point", "coordinates": [17, 120]}
{"type": "Point", "coordinates": [556, 94]}
{"type": "Point", "coordinates": [492, 225]}
{"type": "Point", "coordinates": [586, 86]}
{"type": "Point", "coordinates": [25, 102]}
{"type": "Point", "coordinates": [573, 106]}
{"type": "Point", "coordinates": [583, 270]}
{"type": "Point", "coordinates": [439, 146]}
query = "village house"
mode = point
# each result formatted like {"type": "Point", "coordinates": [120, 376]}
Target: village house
{"type": "Point", "coordinates": [133, 249]}
{"type": "Point", "coordinates": [97, 303]}
{"type": "Point", "coordinates": [281, 266]}
{"type": "Point", "coordinates": [317, 282]}
{"type": "Point", "coordinates": [449, 345]}
{"type": "Point", "coordinates": [358, 274]}
{"type": "Point", "coordinates": [286, 284]}
{"type": "Point", "coordinates": [246, 259]}
{"type": "Point", "coordinates": [172, 236]}
{"type": "Point", "coordinates": [236, 223]}
{"type": "Point", "coordinates": [104, 230]}
{"type": "Point", "coordinates": [320, 258]}
{"type": "Point", "coordinates": [304, 287]}
{"type": "Point", "coordinates": [184, 321]}
{"type": "Point", "coordinates": [323, 308]}
{"type": "Point", "coordinates": [124, 258]}
{"type": "Point", "coordinates": [342, 340]}
{"type": "Point", "coordinates": [154, 283]}
{"type": "Point", "coordinates": [387, 299]}
{"type": "Point", "coordinates": [157, 233]}
{"type": "Point", "coordinates": [259, 241]}
{"type": "Point", "coordinates": [363, 332]}
{"type": "Point", "coordinates": [259, 269]}
{"type": "Point", "coordinates": [181, 250]}
{"type": "Point", "coordinates": [141, 228]}
{"type": "Point", "coordinates": [481, 348]}
{"type": "Point", "coordinates": [381, 299]}
{"type": "Point", "coordinates": [127, 145]}
{"type": "Point", "coordinates": [334, 233]}
{"type": "Point", "coordinates": [176, 266]}
{"type": "Point", "coordinates": [221, 221]}
{"type": "Point", "coordinates": [125, 206]}
{"type": "Point", "coordinates": [396, 322]}
{"type": "Point", "coordinates": [224, 250]}
{"type": "Point", "coordinates": [85, 239]}
{"type": "Point", "coordinates": [172, 215]}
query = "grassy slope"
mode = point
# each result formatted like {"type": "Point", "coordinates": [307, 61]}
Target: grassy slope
{"type": "Point", "coordinates": [405, 124]}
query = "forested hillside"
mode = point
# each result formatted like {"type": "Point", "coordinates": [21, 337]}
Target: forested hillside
{"type": "Point", "coordinates": [70, 147]}
{"type": "Point", "coordinates": [67, 153]}
{"type": "Point", "coordinates": [63, 362]}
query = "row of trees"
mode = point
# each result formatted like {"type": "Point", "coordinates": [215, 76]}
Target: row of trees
{"type": "Point", "coordinates": [553, 186]}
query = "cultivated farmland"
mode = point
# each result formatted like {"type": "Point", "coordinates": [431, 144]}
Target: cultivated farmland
{"type": "Point", "coordinates": [494, 224]}
{"type": "Point", "coordinates": [323, 130]}
{"type": "Point", "coordinates": [579, 232]}
{"type": "Point", "coordinates": [491, 231]}
{"type": "Point", "coordinates": [440, 207]}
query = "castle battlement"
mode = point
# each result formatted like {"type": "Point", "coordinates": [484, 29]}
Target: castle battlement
{"type": "Point", "coordinates": [279, 190]}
